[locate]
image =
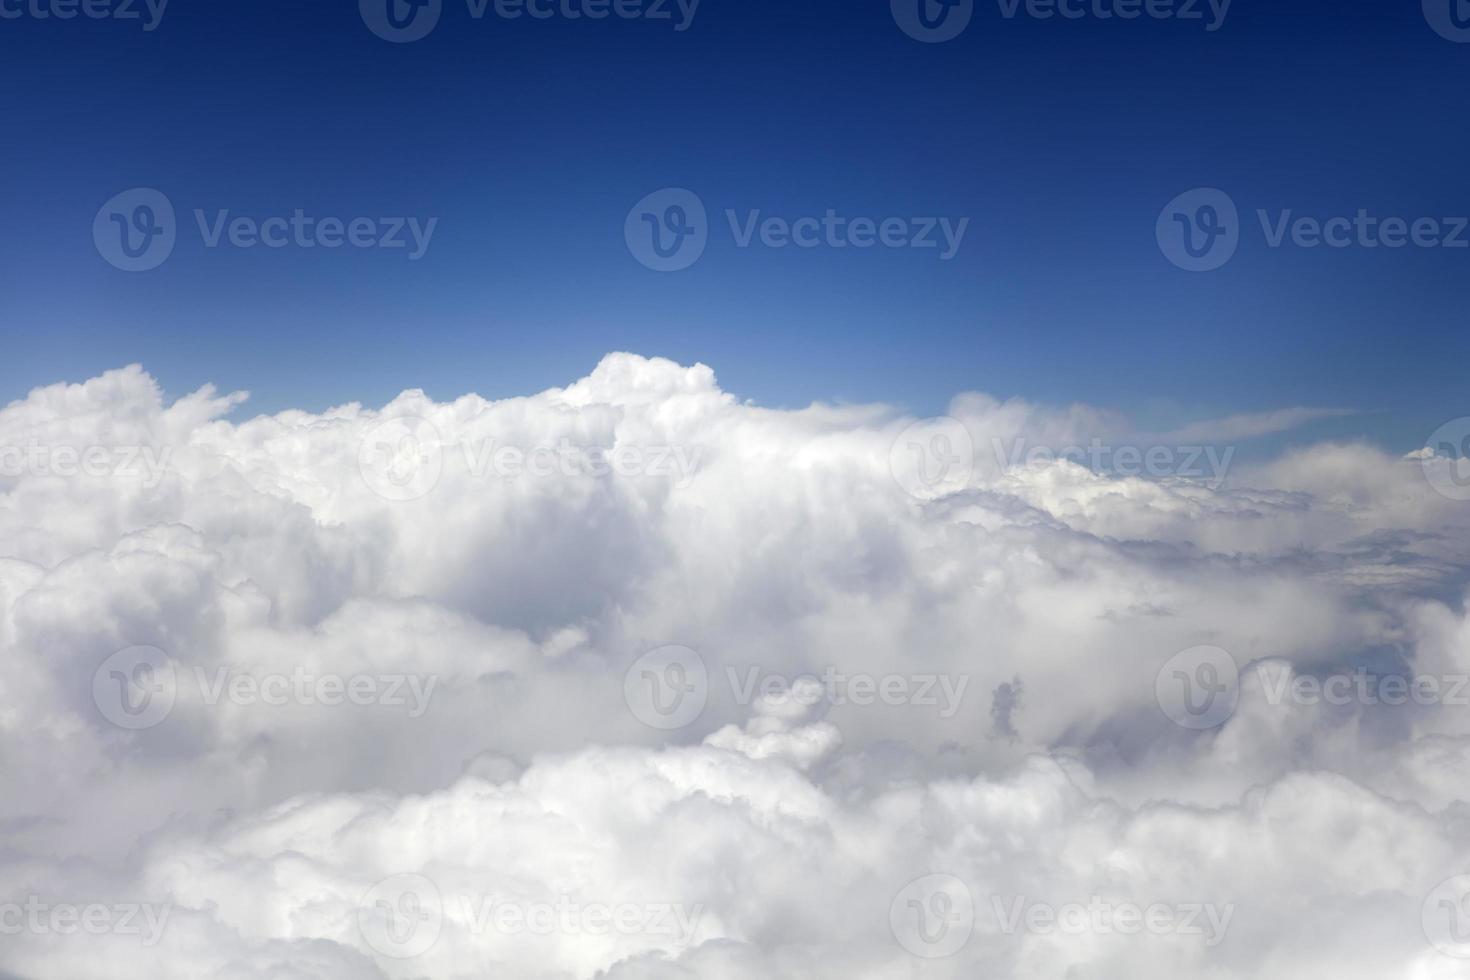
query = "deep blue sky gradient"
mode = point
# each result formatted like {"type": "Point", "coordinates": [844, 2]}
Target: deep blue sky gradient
{"type": "Point", "coordinates": [530, 141]}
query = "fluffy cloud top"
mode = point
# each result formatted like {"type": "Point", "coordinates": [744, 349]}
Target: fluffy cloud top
{"type": "Point", "coordinates": [633, 679]}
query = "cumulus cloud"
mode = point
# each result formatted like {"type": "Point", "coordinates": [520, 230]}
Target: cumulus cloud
{"type": "Point", "coordinates": [635, 679]}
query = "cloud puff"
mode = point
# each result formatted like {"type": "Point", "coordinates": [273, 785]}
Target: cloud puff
{"type": "Point", "coordinates": [634, 679]}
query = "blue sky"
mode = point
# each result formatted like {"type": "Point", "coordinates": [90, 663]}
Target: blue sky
{"type": "Point", "coordinates": [529, 140]}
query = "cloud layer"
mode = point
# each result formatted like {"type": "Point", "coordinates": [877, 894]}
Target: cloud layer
{"type": "Point", "coordinates": [634, 679]}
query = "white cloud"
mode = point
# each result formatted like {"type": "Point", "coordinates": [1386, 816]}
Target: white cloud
{"type": "Point", "coordinates": [960, 682]}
